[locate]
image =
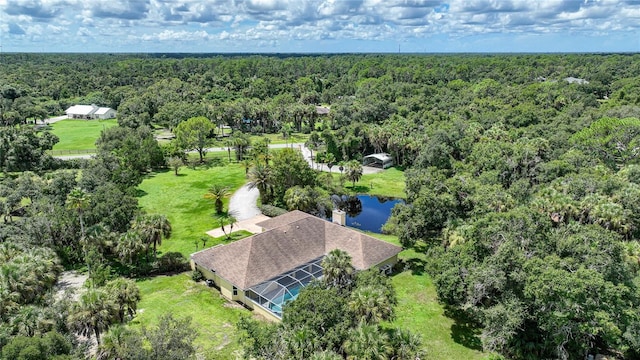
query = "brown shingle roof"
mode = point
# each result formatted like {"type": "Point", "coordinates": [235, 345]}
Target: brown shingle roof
{"type": "Point", "coordinates": [298, 239]}
{"type": "Point", "coordinates": [283, 219]}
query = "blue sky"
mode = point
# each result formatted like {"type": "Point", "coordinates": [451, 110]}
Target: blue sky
{"type": "Point", "coordinates": [268, 26]}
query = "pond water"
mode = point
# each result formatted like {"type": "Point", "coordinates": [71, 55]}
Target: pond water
{"type": "Point", "coordinates": [369, 212]}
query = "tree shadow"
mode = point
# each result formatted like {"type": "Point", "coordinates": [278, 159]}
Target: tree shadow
{"type": "Point", "coordinates": [360, 189]}
{"type": "Point", "coordinates": [416, 265]}
{"type": "Point", "coordinates": [160, 171]}
{"type": "Point", "coordinates": [140, 193]}
{"type": "Point", "coordinates": [464, 331]}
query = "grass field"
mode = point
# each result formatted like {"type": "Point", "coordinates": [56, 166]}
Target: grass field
{"type": "Point", "coordinates": [418, 310]}
{"type": "Point", "coordinates": [181, 199]}
{"type": "Point", "coordinates": [389, 182]}
{"type": "Point", "coordinates": [214, 317]}
{"type": "Point", "coordinates": [79, 134]}
{"type": "Point", "coordinates": [278, 139]}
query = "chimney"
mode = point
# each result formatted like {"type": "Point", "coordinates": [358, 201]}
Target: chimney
{"type": "Point", "coordinates": [339, 217]}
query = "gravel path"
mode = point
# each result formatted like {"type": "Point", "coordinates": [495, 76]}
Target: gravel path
{"type": "Point", "coordinates": [243, 203]}
{"type": "Point", "coordinates": [69, 280]}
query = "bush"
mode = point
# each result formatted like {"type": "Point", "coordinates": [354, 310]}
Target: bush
{"type": "Point", "coordinates": [272, 211]}
{"type": "Point", "coordinates": [217, 161]}
{"type": "Point", "coordinates": [196, 275]}
{"type": "Point", "coordinates": [256, 129]}
{"type": "Point", "coordinates": [172, 262]}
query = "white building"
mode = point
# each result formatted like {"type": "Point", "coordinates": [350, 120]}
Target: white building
{"type": "Point", "coordinates": [90, 112]}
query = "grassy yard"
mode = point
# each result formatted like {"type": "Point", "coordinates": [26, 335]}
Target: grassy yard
{"type": "Point", "coordinates": [181, 199]}
{"type": "Point", "coordinates": [214, 317]}
{"type": "Point", "coordinates": [389, 182]}
{"type": "Point", "coordinates": [418, 310]}
{"type": "Point", "coordinates": [79, 134]}
{"type": "Point", "coordinates": [278, 139]}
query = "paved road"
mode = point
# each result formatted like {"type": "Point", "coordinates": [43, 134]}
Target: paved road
{"type": "Point", "coordinates": [297, 146]}
{"type": "Point", "coordinates": [323, 167]}
{"type": "Point", "coordinates": [243, 203]}
{"type": "Point", "coordinates": [55, 119]}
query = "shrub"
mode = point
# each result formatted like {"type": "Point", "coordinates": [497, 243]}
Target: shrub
{"type": "Point", "coordinates": [196, 275]}
{"type": "Point", "coordinates": [172, 262]}
{"type": "Point", "coordinates": [272, 211]}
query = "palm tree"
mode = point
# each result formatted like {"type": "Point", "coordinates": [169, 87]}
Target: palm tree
{"type": "Point", "coordinates": [260, 178]}
{"type": "Point", "coordinates": [152, 229]}
{"type": "Point", "coordinates": [93, 313]}
{"type": "Point", "coordinates": [354, 171]}
{"type": "Point", "coordinates": [224, 219]}
{"type": "Point", "coordinates": [337, 270]}
{"type": "Point", "coordinates": [311, 145]}
{"type": "Point", "coordinates": [240, 142]}
{"type": "Point", "coordinates": [125, 294]}
{"type": "Point", "coordinates": [286, 130]}
{"type": "Point", "coordinates": [216, 193]}
{"type": "Point", "coordinates": [26, 321]}
{"type": "Point", "coordinates": [78, 200]}
{"type": "Point", "coordinates": [370, 304]}
{"type": "Point", "coordinates": [299, 198]}
{"type": "Point", "coordinates": [114, 341]}
{"type": "Point", "coordinates": [325, 355]}
{"type": "Point", "coordinates": [302, 342]}
{"type": "Point", "coordinates": [247, 165]}
{"type": "Point", "coordinates": [9, 298]}
{"type": "Point", "coordinates": [229, 143]}
{"type": "Point", "coordinates": [406, 345]}
{"type": "Point", "coordinates": [367, 342]}
{"type": "Point", "coordinates": [130, 246]}
{"type": "Point", "coordinates": [330, 159]}
{"type": "Point", "coordinates": [98, 238]}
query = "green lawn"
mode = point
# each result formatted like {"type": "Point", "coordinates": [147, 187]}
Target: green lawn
{"type": "Point", "coordinates": [79, 134]}
{"type": "Point", "coordinates": [389, 182]}
{"type": "Point", "coordinates": [214, 317]}
{"type": "Point", "coordinates": [278, 139]}
{"type": "Point", "coordinates": [181, 199]}
{"type": "Point", "coordinates": [418, 310]}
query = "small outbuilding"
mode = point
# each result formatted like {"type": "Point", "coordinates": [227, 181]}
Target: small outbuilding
{"type": "Point", "coordinates": [90, 112]}
{"type": "Point", "coordinates": [322, 110]}
{"type": "Point", "coordinates": [381, 160]}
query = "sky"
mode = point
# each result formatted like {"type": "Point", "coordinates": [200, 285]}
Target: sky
{"type": "Point", "coordinates": [319, 26]}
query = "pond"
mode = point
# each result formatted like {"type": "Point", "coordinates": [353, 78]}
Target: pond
{"type": "Point", "coordinates": [369, 212]}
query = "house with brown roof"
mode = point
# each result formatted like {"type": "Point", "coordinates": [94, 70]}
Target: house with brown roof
{"type": "Point", "coordinates": [266, 270]}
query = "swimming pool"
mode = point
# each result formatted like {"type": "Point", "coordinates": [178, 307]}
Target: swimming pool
{"type": "Point", "coordinates": [278, 303]}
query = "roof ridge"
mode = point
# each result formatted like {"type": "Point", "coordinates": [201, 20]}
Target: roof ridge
{"type": "Point", "coordinates": [245, 267]}
{"type": "Point", "coordinates": [361, 243]}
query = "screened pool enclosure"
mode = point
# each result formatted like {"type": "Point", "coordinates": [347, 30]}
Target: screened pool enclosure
{"type": "Point", "coordinates": [274, 293]}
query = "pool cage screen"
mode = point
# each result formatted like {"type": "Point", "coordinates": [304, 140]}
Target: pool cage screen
{"type": "Point", "coordinates": [274, 293]}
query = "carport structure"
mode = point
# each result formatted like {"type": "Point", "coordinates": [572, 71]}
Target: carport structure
{"type": "Point", "coordinates": [380, 160]}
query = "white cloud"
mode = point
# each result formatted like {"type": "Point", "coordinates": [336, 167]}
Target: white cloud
{"type": "Point", "coordinates": [282, 20]}
{"type": "Point", "coordinates": [171, 35]}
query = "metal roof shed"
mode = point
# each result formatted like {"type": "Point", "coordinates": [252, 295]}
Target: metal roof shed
{"type": "Point", "coordinates": [381, 160]}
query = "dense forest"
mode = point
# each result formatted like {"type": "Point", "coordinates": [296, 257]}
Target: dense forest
{"type": "Point", "coordinates": [522, 182]}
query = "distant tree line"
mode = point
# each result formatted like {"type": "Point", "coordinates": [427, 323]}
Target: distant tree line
{"type": "Point", "coordinates": [522, 185]}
